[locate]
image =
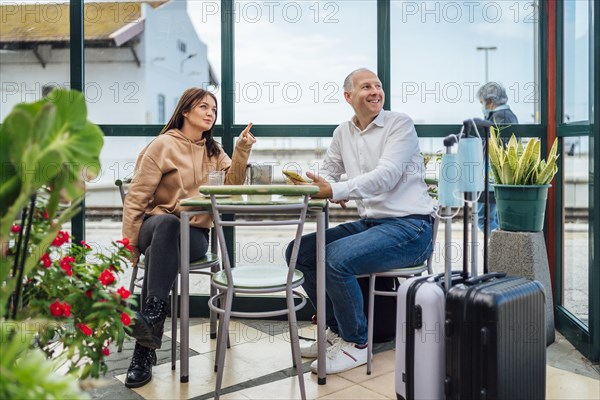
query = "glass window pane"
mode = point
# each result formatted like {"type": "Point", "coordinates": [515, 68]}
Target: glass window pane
{"type": "Point", "coordinates": [300, 154]}
{"type": "Point", "coordinates": [103, 205]}
{"type": "Point", "coordinates": [161, 109]}
{"type": "Point", "coordinates": [576, 227]}
{"type": "Point", "coordinates": [291, 58]}
{"type": "Point", "coordinates": [305, 154]}
{"type": "Point", "coordinates": [576, 70]}
{"type": "Point", "coordinates": [206, 18]}
{"type": "Point", "coordinates": [443, 51]}
{"type": "Point", "coordinates": [34, 51]}
{"type": "Point", "coordinates": [135, 52]}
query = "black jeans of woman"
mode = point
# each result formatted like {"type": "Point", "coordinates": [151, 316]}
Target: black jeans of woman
{"type": "Point", "coordinates": [159, 243]}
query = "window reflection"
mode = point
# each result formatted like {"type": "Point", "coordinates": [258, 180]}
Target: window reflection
{"type": "Point", "coordinates": [576, 227]}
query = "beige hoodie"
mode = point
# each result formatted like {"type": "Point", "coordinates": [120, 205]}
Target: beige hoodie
{"type": "Point", "coordinates": [171, 168]}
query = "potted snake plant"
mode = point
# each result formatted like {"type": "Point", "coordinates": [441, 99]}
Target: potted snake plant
{"type": "Point", "coordinates": [521, 181]}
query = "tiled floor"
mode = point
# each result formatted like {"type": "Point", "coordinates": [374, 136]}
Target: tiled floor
{"type": "Point", "coordinates": [258, 367]}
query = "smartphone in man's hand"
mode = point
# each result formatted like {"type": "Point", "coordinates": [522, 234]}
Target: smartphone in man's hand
{"type": "Point", "coordinates": [294, 176]}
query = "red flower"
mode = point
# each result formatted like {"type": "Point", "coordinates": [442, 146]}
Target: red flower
{"type": "Point", "coordinates": [61, 238]}
{"type": "Point", "coordinates": [66, 263]}
{"type": "Point", "coordinates": [125, 243]}
{"type": "Point", "coordinates": [85, 329]}
{"type": "Point", "coordinates": [46, 261]}
{"type": "Point", "coordinates": [84, 244]}
{"type": "Point", "coordinates": [125, 319]}
{"type": "Point", "coordinates": [15, 228]}
{"type": "Point", "coordinates": [66, 309]}
{"type": "Point", "coordinates": [88, 293]}
{"type": "Point", "coordinates": [45, 214]}
{"type": "Point", "coordinates": [124, 293]}
{"type": "Point", "coordinates": [56, 309]}
{"type": "Point", "coordinates": [105, 351]}
{"type": "Point", "coordinates": [59, 309]}
{"type": "Point", "coordinates": [106, 277]}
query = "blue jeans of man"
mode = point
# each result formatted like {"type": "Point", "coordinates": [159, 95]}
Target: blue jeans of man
{"type": "Point", "coordinates": [493, 216]}
{"type": "Point", "coordinates": [358, 248]}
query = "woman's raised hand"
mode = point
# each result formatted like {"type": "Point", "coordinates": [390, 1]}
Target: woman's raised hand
{"type": "Point", "coordinates": [247, 136]}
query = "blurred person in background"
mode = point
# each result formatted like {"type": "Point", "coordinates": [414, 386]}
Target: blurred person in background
{"type": "Point", "coordinates": [493, 99]}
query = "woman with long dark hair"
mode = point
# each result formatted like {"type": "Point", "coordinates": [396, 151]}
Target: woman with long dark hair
{"type": "Point", "coordinates": [169, 169]}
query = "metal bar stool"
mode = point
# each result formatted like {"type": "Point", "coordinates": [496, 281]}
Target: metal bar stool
{"type": "Point", "coordinates": [206, 265]}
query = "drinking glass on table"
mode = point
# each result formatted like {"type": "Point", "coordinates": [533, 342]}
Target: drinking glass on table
{"type": "Point", "coordinates": [216, 178]}
{"type": "Point", "coordinates": [260, 174]}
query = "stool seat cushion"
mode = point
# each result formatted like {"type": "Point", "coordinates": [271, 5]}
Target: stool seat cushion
{"type": "Point", "coordinates": [257, 276]}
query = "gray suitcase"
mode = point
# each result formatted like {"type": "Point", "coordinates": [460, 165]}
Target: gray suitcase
{"type": "Point", "coordinates": [420, 344]}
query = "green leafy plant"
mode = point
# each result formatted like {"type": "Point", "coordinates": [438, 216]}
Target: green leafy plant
{"type": "Point", "coordinates": [74, 288]}
{"type": "Point", "coordinates": [27, 373]}
{"type": "Point", "coordinates": [515, 164]}
{"type": "Point", "coordinates": [49, 143]}
{"type": "Point", "coordinates": [50, 147]}
{"type": "Point", "coordinates": [432, 183]}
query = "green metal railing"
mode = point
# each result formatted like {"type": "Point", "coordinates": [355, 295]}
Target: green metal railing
{"type": "Point", "coordinates": [77, 83]}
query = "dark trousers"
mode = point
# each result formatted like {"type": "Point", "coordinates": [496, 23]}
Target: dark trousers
{"type": "Point", "coordinates": [159, 242]}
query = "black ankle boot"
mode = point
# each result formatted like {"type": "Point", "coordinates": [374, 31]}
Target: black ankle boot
{"type": "Point", "coordinates": [149, 324]}
{"type": "Point", "coordinates": [140, 369]}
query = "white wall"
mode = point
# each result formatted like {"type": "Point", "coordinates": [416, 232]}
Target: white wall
{"type": "Point", "coordinates": [169, 71]}
{"type": "Point", "coordinates": [22, 76]}
{"type": "Point", "coordinates": [114, 87]}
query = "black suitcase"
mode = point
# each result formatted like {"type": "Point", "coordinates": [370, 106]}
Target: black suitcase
{"type": "Point", "coordinates": [384, 325]}
{"type": "Point", "coordinates": [495, 330]}
{"type": "Point", "coordinates": [495, 339]}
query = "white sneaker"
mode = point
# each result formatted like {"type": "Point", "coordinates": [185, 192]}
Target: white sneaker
{"type": "Point", "coordinates": [341, 357]}
{"type": "Point", "coordinates": [309, 348]}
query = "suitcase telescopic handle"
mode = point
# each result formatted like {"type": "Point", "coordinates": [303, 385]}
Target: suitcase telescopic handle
{"type": "Point", "coordinates": [455, 276]}
{"type": "Point", "coordinates": [486, 125]}
{"type": "Point", "coordinates": [450, 141]}
{"type": "Point", "coordinates": [483, 278]}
